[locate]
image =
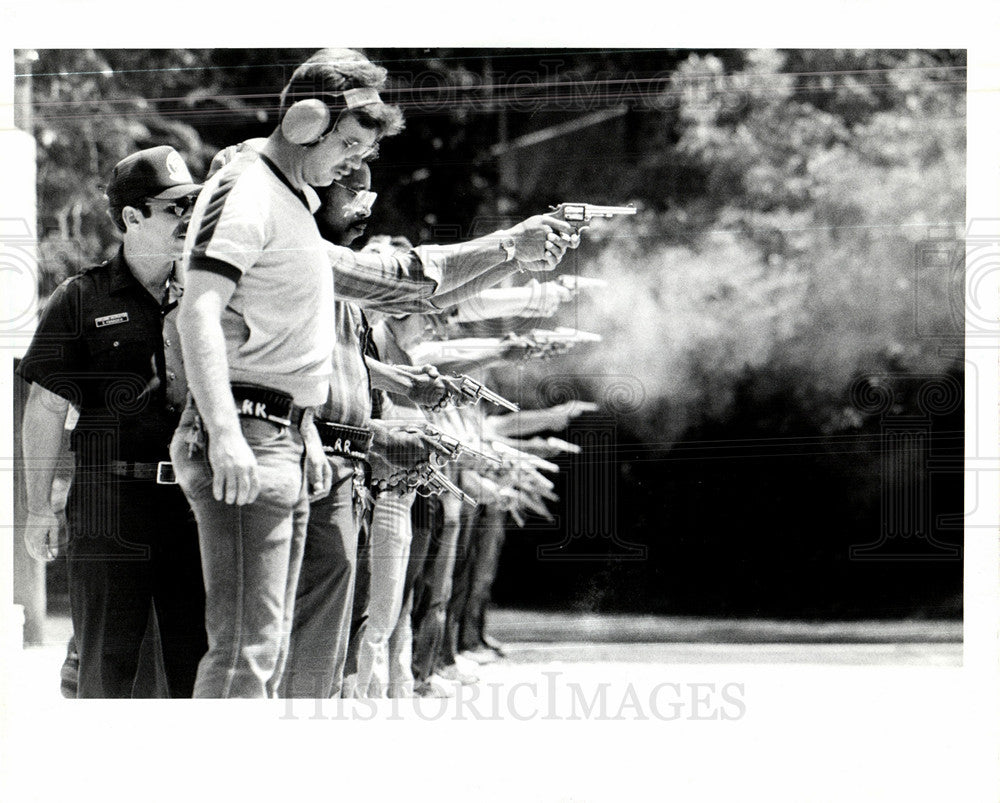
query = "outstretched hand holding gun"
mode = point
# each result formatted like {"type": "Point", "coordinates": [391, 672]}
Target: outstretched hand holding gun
{"type": "Point", "coordinates": [580, 215]}
{"type": "Point", "coordinates": [463, 389]}
{"type": "Point", "coordinates": [425, 476]}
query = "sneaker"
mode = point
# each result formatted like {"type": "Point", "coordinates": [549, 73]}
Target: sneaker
{"type": "Point", "coordinates": [455, 675]}
{"type": "Point", "coordinates": [482, 655]}
{"type": "Point", "coordinates": [466, 665]}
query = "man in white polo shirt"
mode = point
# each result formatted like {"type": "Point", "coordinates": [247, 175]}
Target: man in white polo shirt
{"type": "Point", "coordinates": [257, 344]}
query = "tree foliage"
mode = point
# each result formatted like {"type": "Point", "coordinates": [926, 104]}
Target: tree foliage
{"type": "Point", "coordinates": [786, 199]}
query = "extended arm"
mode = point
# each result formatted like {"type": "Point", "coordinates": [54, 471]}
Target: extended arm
{"type": "Point", "coordinates": [404, 280]}
{"type": "Point", "coordinates": [421, 384]}
{"type": "Point", "coordinates": [528, 422]}
{"type": "Point", "coordinates": [539, 243]}
{"type": "Point", "coordinates": [532, 300]}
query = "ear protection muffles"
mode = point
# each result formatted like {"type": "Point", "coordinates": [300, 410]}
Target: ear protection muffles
{"type": "Point", "coordinates": [307, 121]}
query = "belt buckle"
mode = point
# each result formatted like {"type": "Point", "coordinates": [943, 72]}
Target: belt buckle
{"type": "Point", "coordinates": [165, 473]}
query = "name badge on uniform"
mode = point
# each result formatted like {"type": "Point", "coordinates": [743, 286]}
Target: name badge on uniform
{"type": "Point", "coordinates": [111, 320]}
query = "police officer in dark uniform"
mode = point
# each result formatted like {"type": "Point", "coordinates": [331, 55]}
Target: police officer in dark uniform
{"type": "Point", "coordinates": [99, 349]}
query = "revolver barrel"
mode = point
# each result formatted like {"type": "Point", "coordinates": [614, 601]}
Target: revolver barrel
{"type": "Point", "coordinates": [581, 213]}
{"type": "Point", "coordinates": [474, 391]}
{"type": "Point", "coordinates": [438, 483]}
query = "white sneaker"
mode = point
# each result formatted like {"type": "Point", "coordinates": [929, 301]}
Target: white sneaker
{"type": "Point", "coordinates": [455, 675]}
{"type": "Point", "coordinates": [466, 665]}
{"type": "Point", "coordinates": [481, 656]}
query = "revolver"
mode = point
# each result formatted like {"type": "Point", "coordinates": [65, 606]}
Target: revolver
{"type": "Point", "coordinates": [426, 480]}
{"type": "Point", "coordinates": [582, 214]}
{"type": "Point", "coordinates": [549, 342]}
{"type": "Point", "coordinates": [469, 390]}
{"type": "Point", "coordinates": [435, 483]}
{"type": "Point", "coordinates": [452, 445]}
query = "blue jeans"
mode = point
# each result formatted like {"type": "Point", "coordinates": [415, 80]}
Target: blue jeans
{"type": "Point", "coordinates": [323, 600]}
{"type": "Point", "coordinates": [390, 552]}
{"type": "Point", "coordinates": [250, 557]}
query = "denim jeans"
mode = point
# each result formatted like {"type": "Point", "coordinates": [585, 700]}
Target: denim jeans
{"type": "Point", "coordinates": [424, 518]}
{"type": "Point", "coordinates": [250, 557]}
{"type": "Point", "coordinates": [389, 555]}
{"type": "Point", "coordinates": [323, 600]}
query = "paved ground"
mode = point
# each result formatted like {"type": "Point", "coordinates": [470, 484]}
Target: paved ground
{"type": "Point", "coordinates": [538, 642]}
{"type": "Point", "coordinates": [583, 708]}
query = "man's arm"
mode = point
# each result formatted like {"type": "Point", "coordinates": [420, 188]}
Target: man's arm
{"type": "Point", "coordinates": [386, 279]}
{"type": "Point", "coordinates": [199, 322]}
{"type": "Point", "coordinates": [42, 439]}
{"type": "Point", "coordinates": [420, 384]}
{"type": "Point", "coordinates": [539, 243]}
{"type": "Point", "coordinates": [532, 300]}
{"type": "Point", "coordinates": [528, 422]}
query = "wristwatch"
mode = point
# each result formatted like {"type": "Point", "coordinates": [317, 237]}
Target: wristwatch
{"type": "Point", "coordinates": [509, 247]}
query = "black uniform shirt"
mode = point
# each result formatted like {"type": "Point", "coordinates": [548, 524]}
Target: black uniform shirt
{"type": "Point", "coordinates": [99, 344]}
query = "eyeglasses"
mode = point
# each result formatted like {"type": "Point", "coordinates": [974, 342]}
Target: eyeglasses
{"type": "Point", "coordinates": [353, 149]}
{"type": "Point", "coordinates": [358, 150]}
{"type": "Point", "coordinates": [178, 207]}
{"type": "Point", "coordinates": [363, 200]}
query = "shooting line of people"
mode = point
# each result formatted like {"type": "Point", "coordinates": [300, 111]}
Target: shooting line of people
{"type": "Point", "coordinates": [288, 476]}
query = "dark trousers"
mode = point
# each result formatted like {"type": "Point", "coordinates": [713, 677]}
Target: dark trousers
{"type": "Point", "coordinates": [133, 544]}
{"type": "Point", "coordinates": [426, 520]}
{"type": "Point", "coordinates": [325, 593]}
{"type": "Point", "coordinates": [461, 582]}
{"type": "Point", "coordinates": [484, 561]}
{"type": "Point", "coordinates": [433, 589]}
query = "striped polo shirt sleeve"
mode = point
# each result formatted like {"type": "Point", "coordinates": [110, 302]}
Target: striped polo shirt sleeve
{"type": "Point", "coordinates": [372, 279]}
{"type": "Point", "coordinates": [228, 227]}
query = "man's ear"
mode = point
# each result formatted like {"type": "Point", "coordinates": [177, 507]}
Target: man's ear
{"type": "Point", "coordinates": [130, 216]}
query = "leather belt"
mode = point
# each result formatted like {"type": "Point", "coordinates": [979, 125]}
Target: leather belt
{"type": "Point", "coordinates": [344, 440]}
{"type": "Point", "coordinates": [265, 404]}
{"type": "Point", "coordinates": [162, 472]}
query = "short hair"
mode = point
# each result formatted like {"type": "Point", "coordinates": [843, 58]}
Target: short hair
{"type": "Point", "coordinates": [334, 70]}
{"type": "Point", "coordinates": [384, 119]}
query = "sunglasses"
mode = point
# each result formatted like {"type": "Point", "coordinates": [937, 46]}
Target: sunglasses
{"type": "Point", "coordinates": [178, 207]}
{"type": "Point", "coordinates": [363, 200]}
